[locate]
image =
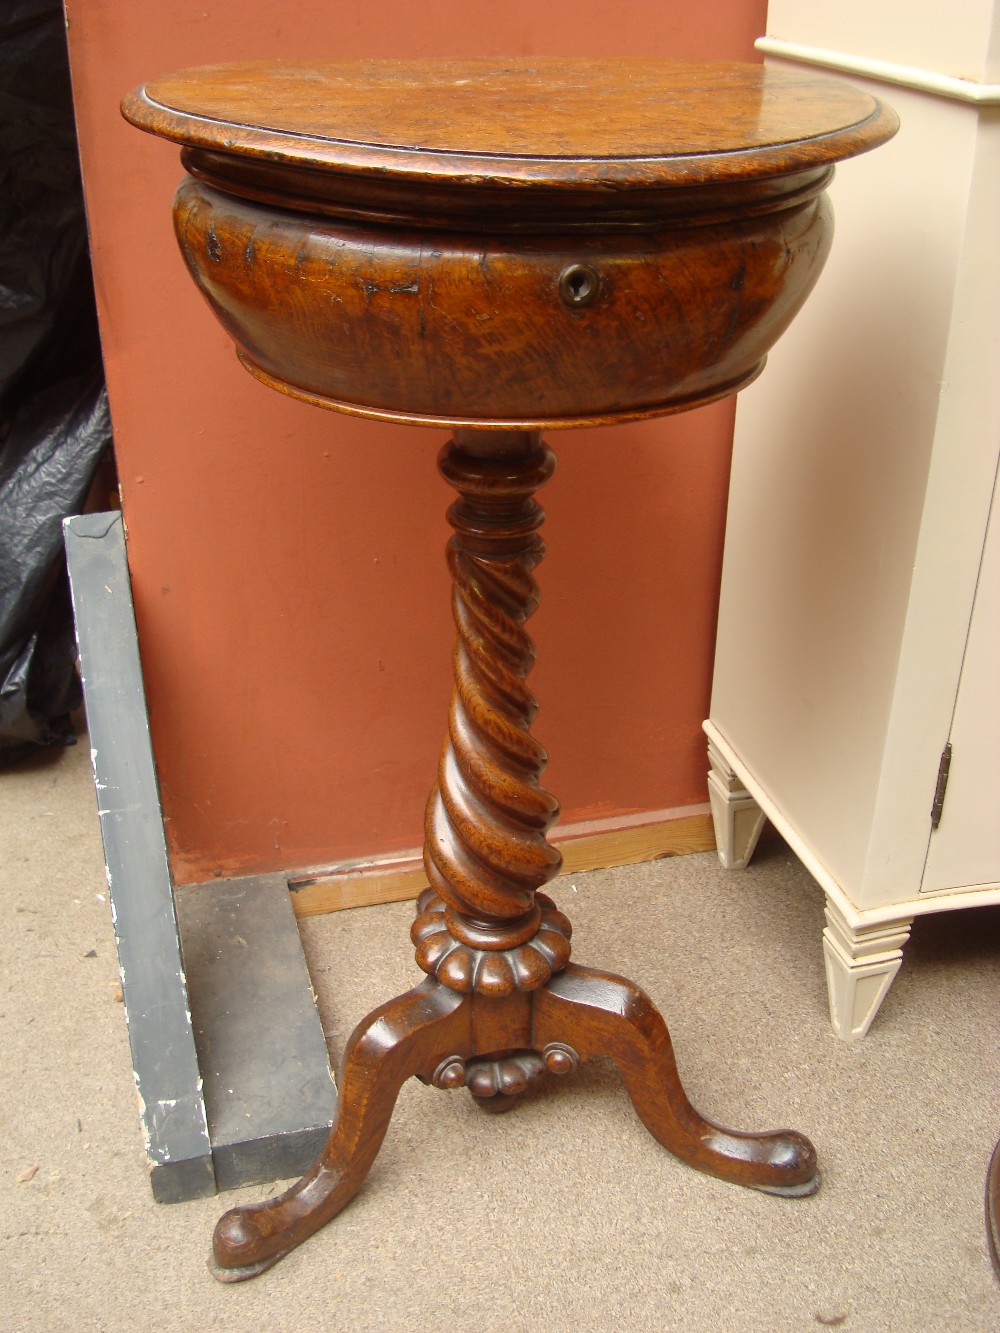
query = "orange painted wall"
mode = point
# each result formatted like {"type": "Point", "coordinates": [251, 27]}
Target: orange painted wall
{"type": "Point", "coordinates": [287, 563]}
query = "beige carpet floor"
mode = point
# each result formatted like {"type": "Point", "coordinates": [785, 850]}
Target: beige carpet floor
{"type": "Point", "coordinates": [564, 1214]}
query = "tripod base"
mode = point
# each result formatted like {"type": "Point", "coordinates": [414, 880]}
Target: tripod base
{"type": "Point", "coordinates": [496, 1047]}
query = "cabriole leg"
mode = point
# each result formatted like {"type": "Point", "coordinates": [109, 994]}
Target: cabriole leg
{"type": "Point", "coordinates": [598, 1014]}
{"type": "Point", "coordinates": [409, 1036]}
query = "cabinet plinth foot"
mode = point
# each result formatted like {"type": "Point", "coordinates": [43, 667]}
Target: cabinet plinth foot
{"type": "Point", "coordinates": [736, 816]}
{"type": "Point", "coordinates": [861, 965]}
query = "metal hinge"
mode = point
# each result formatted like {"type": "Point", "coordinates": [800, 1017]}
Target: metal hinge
{"type": "Point", "coordinates": [944, 768]}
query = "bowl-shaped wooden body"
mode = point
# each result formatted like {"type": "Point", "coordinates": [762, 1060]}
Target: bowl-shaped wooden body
{"type": "Point", "coordinates": [585, 319]}
{"type": "Point", "coordinates": [525, 242]}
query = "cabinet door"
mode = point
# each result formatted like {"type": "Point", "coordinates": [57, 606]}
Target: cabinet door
{"type": "Point", "coordinates": [964, 850]}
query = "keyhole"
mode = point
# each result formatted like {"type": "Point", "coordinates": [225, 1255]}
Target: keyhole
{"type": "Point", "coordinates": [578, 284]}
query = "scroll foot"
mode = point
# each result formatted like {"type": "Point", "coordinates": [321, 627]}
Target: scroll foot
{"type": "Point", "coordinates": [408, 1036]}
{"type": "Point", "coordinates": [603, 1015]}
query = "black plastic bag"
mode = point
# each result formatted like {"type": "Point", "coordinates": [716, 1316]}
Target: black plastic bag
{"type": "Point", "coordinates": [54, 424]}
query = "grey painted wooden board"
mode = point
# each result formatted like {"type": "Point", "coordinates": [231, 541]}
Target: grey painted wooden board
{"type": "Point", "coordinates": [268, 1089]}
{"type": "Point", "coordinates": [161, 1034]}
{"type": "Point", "coordinates": [229, 1056]}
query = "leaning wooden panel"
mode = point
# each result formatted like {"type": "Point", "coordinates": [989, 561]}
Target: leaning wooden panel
{"type": "Point", "coordinates": [154, 987]}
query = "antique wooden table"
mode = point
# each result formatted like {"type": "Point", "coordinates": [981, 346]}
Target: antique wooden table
{"type": "Point", "coordinates": [502, 247]}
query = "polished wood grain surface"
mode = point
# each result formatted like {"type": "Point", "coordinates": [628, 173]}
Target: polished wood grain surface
{"type": "Point", "coordinates": [477, 327]}
{"type": "Point", "coordinates": [503, 247]}
{"type": "Point", "coordinates": [503, 1006]}
{"type": "Point", "coordinates": [512, 245]}
{"type": "Point", "coordinates": [628, 121]}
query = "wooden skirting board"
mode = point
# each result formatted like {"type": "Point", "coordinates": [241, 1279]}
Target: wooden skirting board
{"type": "Point", "coordinates": [592, 846]}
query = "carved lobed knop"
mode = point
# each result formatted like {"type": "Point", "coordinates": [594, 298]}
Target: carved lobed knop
{"type": "Point", "coordinates": [464, 967]}
{"type": "Point", "coordinates": [505, 1075]}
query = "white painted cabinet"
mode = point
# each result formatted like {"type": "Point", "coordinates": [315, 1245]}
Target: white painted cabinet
{"type": "Point", "coordinates": [859, 629]}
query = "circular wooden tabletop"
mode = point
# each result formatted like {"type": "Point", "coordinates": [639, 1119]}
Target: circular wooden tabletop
{"type": "Point", "coordinates": [548, 121]}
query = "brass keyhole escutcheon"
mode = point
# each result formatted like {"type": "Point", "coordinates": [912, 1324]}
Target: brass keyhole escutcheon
{"type": "Point", "coordinates": [578, 284]}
